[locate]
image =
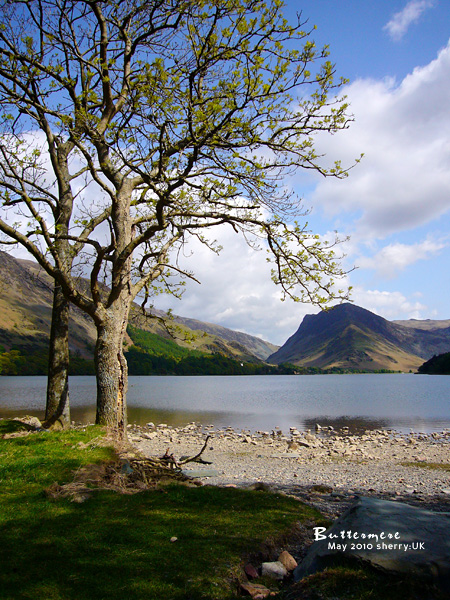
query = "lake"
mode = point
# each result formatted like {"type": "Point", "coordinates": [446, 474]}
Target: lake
{"type": "Point", "coordinates": [366, 401]}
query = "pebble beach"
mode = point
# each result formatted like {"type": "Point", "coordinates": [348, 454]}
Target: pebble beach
{"type": "Point", "coordinates": [324, 467]}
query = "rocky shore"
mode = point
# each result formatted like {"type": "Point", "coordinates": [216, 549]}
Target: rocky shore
{"type": "Point", "coordinates": [326, 468]}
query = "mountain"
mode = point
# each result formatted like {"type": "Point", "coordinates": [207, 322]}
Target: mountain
{"type": "Point", "coordinates": [26, 294]}
{"type": "Point", "coordinates": [208, 333]}
{"type": "Point", "coordinates": [427, 324]}
{"type": "Point", "coordinates": [351, 337]}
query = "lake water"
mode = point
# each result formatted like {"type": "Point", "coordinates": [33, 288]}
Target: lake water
{"type": "Point", "coordinates": [366, 401]}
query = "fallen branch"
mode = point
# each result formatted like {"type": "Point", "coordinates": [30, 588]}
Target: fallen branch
{"type": "Point", "coordinates": [197, 456]}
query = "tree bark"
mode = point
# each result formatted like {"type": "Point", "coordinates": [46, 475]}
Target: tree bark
{"type": "Point", "coordinates": [112, 370]}
{"type": "Point", "coordinates": [57, 411]}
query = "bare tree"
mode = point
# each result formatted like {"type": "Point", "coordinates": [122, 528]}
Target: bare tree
{"type": "Point", "coordinates": [178, 116]}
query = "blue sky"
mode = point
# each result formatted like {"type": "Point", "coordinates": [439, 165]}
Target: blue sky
{"type": "Point", "coordinates": [396, 203]}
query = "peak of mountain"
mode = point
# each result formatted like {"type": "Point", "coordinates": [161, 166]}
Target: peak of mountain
{"type": "Point", "coordinates": [349, 336]}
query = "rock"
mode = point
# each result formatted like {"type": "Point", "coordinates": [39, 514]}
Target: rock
{"type": "Point", "coordinates": [287, 560]}
{"type": "Point", "coordinates": [304, 444]}
{"type": "Point", "coordinates": [195, 473]}
{"type": "Point", "coordinates": [405, 539]}
{"type": "Point", "coordinates": [275, 570]}
{"type": "Point", "coordinates": [32, 422]}
{"type": "Point", "coordinates": [255, 590]}
{"type": "Point", "coordinates": [250, 571]}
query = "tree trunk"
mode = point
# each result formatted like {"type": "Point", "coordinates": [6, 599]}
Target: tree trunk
{"type": "Point", "coordinates": [112, 370]}
{"type": "Point", "coordinates": [57, 411]}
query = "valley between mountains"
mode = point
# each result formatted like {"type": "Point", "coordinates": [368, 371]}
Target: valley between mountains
{"type": "Point", "coordinates": [346, 337]}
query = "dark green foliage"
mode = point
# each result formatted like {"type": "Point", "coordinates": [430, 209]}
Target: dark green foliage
{"type": "Point", "coordinates": [438, 365]}
{"type": "Point", "coordinates": [35, 362]}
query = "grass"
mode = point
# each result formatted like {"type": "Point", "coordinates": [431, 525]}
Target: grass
{"type": "Point", "coordinates": [118, 546]}
{"type": "Point", "coordinates": [427, 465]}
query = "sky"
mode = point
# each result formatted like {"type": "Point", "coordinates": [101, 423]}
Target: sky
{"type": "Point", "coordinates": [395, 204]}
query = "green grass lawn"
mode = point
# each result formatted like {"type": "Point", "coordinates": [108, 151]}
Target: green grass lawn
{"type": "Point", "coordinates": [115, 546]}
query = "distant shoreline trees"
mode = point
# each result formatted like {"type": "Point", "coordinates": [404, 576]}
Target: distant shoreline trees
{"type": "Point", "coordinates": [437, 365]}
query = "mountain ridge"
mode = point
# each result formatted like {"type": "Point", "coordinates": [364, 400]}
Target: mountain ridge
{"type": "Point", "coordinates": [26, 295]}
{"type": "Point", "coordinates": [349, 336]}
{"type": "Point", "coordinates": [345, 336]}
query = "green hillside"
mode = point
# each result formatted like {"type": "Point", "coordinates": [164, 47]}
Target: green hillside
{"type": "Point", "coordinates": [151, 354]}
{"type": "Point", "coordinates": [26, 296]}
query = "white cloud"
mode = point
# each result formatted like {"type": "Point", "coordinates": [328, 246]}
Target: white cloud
{"type": "Point", "coordinates": [394, 258]}
{"type": "Point", "coordinates": [236, 291]}
{"type": "Point", "coordinates": [389, 305]}
{"type": "Point", "coordinates": [403, 180]}
{"type": "Point", "coordinates": [401, 21]}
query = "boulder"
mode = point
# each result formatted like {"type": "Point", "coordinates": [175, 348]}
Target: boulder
{"type": "Point", "coordinates": [287, 560]}
{"type": "Point", "coordinates": [251, 571]}
{"type": "Point", "coordinates": [275, 570]}
{"type": "Point", "coordinates": [389, 535]}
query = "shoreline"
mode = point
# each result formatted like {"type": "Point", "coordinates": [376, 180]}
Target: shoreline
{"type": "Point", "coordinates": [327, 468]}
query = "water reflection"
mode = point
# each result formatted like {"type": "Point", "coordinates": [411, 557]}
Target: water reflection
{"type": "Point", "coordinates": [355, 425]}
